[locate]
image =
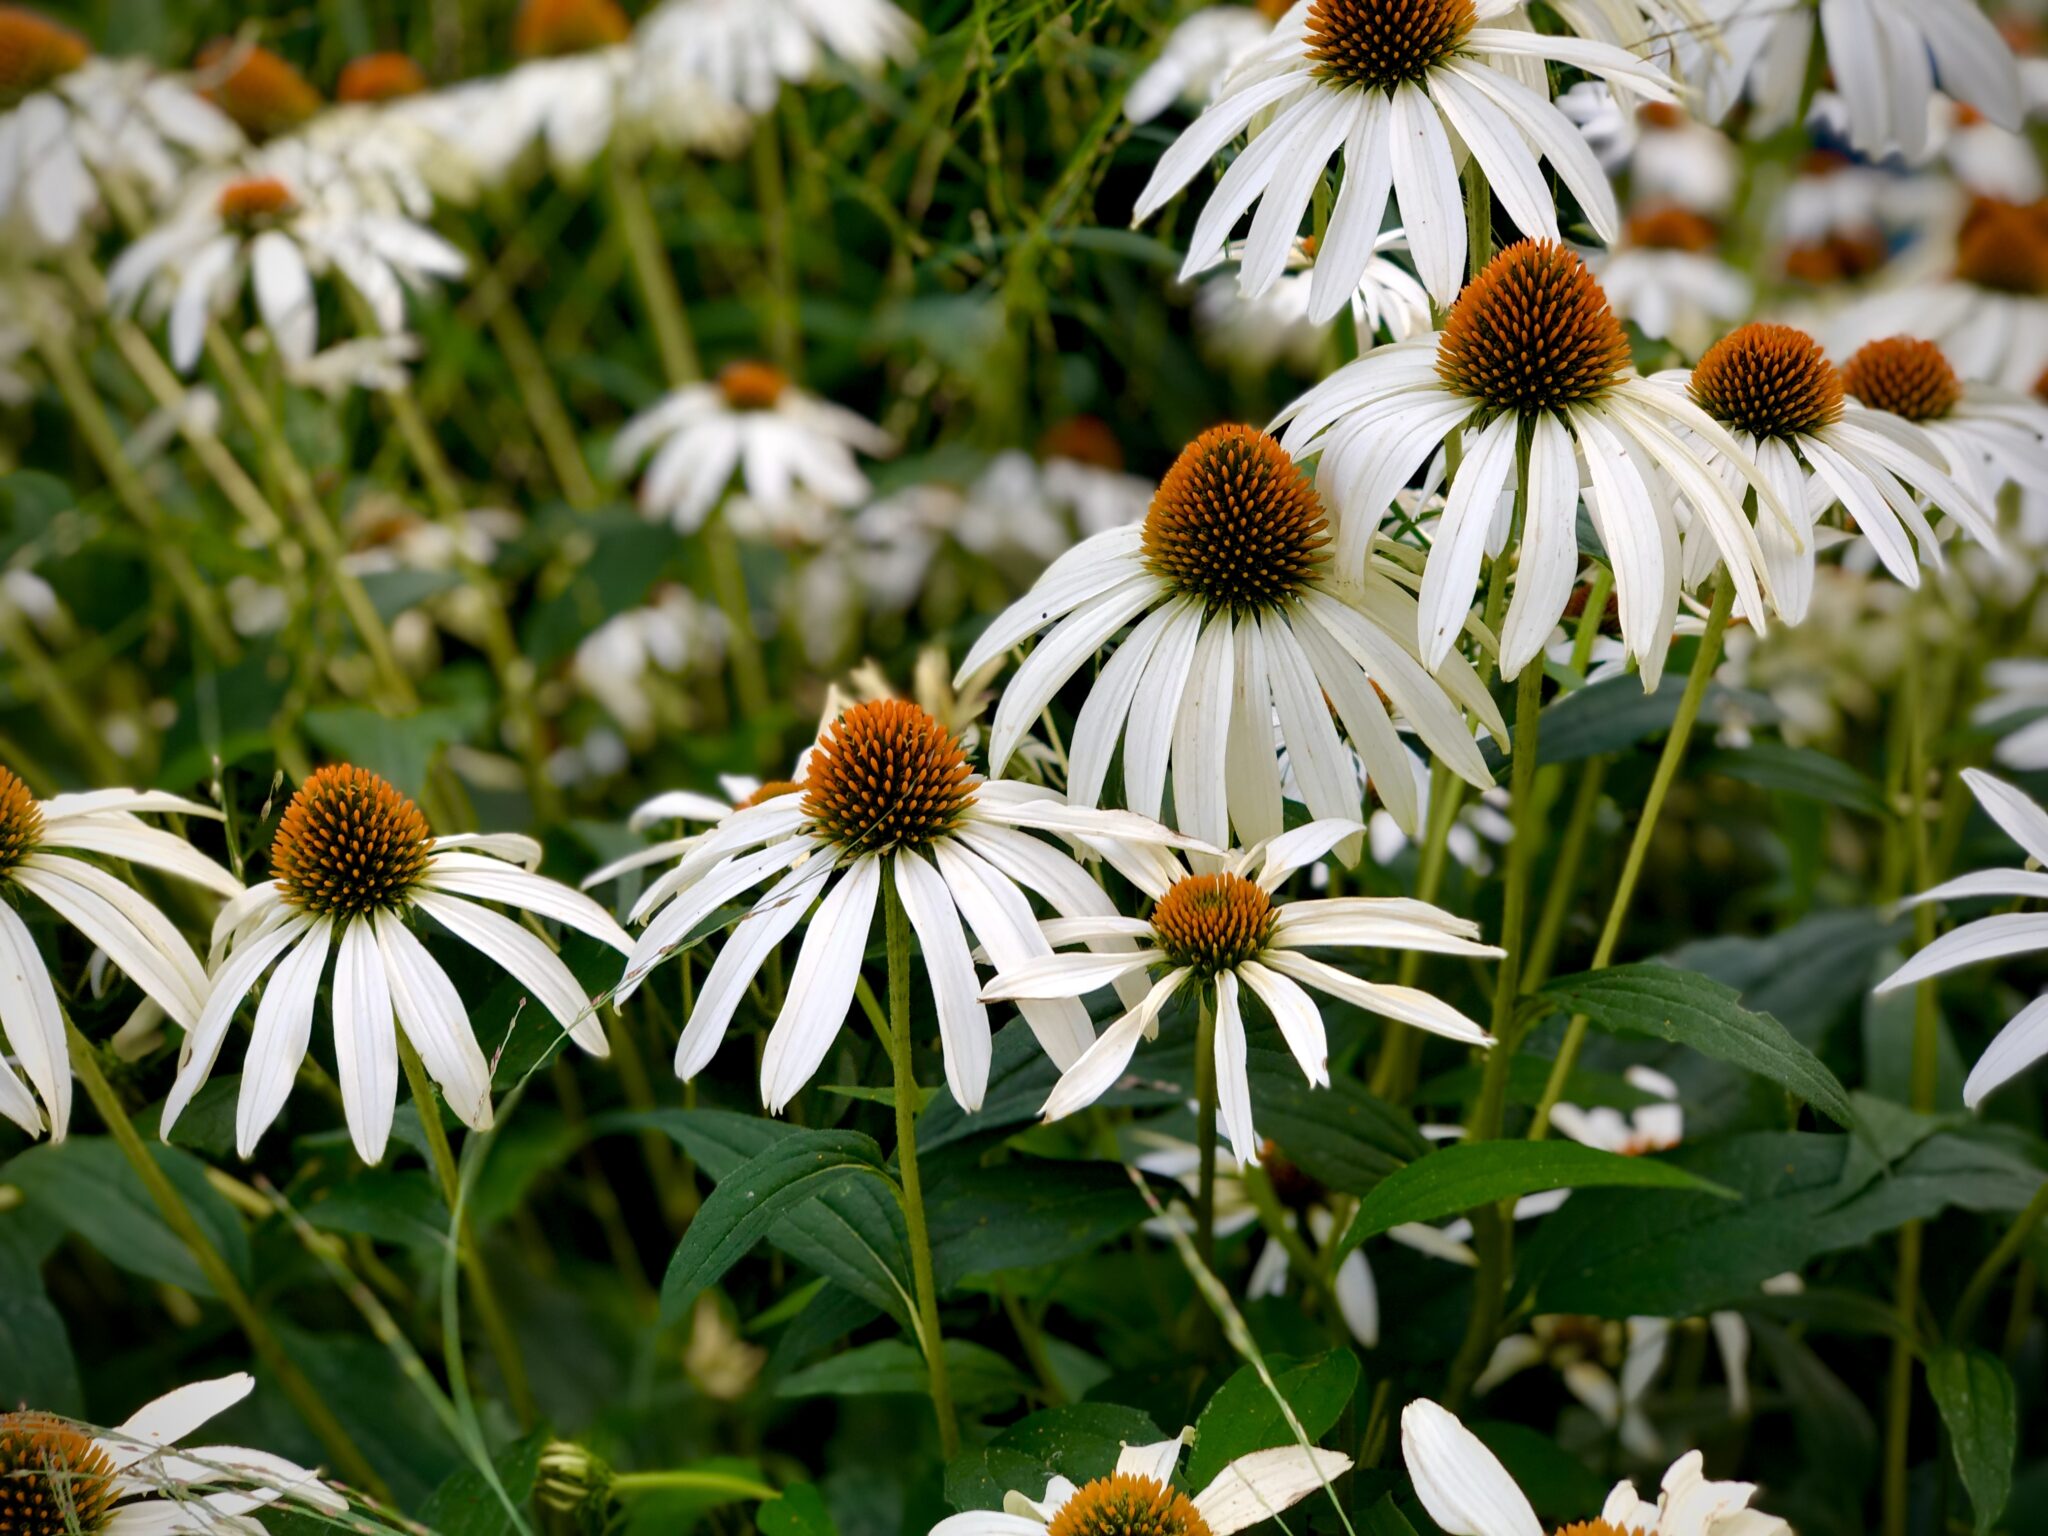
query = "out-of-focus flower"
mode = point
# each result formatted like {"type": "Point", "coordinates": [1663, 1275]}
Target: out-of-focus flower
{"type": "Point", "coordinates": [1666, 277]}
{"type": "Point", "coordinates": [624, 662]}
{"type": "Point", "coordinates": [746, 50]}
{"type": "Point", "coordinates": [1988, 437]}
{"type": "Point", "coordinates": [718, 1360]}
{"type": "Point", "coordinates": [1275, 326]}
{"type": "Point", "coordinates": [263, 93]}
{"type": "Point", "coordinates": [2019, 690]}
{"type": "Point", "coordinates": [1987, 159]}
{"type": "Point", "coordinates": [1198, 55]}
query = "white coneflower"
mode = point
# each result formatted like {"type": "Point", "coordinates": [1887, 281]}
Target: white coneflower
{"type": "Point", "coordinates": [1256, 332]}
{"type": "Point", "coordinates": [1533, 367]}
{"type": "Point", "coordinates": [1886, 57]}
{"type": "Point", "coordinates": [2024, 1040]}
{"type": "Point", "coordinates": [296, 216]}
{"type": "Point", "coordinates": [1391, 83]}
{"type": "Point", "coordinates": [791, 452]}
{"type": "Point", "coordinates": [1139, 1496]}
{"type": "Point", "coordinates": [352, 860]}
{"type": "Point", "coordinates": [69, 118]}
{"type": "Point", "coordinates": [2017, 708]}
{"type": "Point", "coordinates": [1237, 616]}
{"type": "Point", "coordinates": [746, 50]}
{"type": "Point", "coordinates": [1198, 55]}
{"type": "Point", "coordinates": [1224, 932]}
{"type": "Point", "coordinates": [887, 794]}
{"type": "Point", "coordinates": [1773, 389]}
{"type": "Point", "coordinates": [1668, 280]}
{"type": "Point", "coordinates": [1988, 437]}
{"type": "Point", "coordinates": [1469, 1493]}
{"type": "Point", "coordinates": [40, 841]}
{"type": "Point", "coordinates": [57, 1477]}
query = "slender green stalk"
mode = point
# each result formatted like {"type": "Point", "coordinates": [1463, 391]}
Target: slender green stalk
{"type": "Point", "coordinates": [1205, 1133]}
{"type": "Point", "coordinates": [1400, 1046]}
{"type": "Point", "coordinates": [652, 273]}
{"type": "Point", "coordinates": [897, 924]}
{"type": "Point", "coordinates": [543, 402]}
{"type": "Point", "coordinates": [772, 197]}
{"type": "Point", "coordinates": [348, 1459]}
{"type": "Point", "coordinates": [97, 429]}
{"type": "Point", "coordinates": [1478, 218]}
{"type": "Point", "coordinates": [1704, 661]}
{"type": "Point", "coordinates": [729, 586]}
{"type": "Point", "coordinates": [482, 1294]}
{"type": "Point", "coordinates": [1994, 1263]}
{"type": "Point", "coordinates": [1564, 875]}
{"type": "Point", "coordinates": [52, 690]}
{"type": "Point", "coordinates": [624, 1484]}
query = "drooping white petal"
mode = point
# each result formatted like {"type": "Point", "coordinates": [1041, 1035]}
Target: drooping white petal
{"type": "Point", "coordinates": [821, 988]}
{"type": "Point", "coordinates": [525, 958]}
{"type": "Point", "coordinates": [963, 1021]}
{"type": "Point", "coordinates": [531, 893]}
{"type": "Point", "coordinates": [34, 1027]}
{"type": "Point", "coordinates": [2024, 821]}
{"type": "Point", "coordinates": [2022, 1042]}
{"type": "Point", "coordinates": [365, 1041]}
{"type": "Point", "coordinates": [1460, 1482]}
{"type": "Point", "coordinates": [1409, 1005]}
{"type": "Point", "coordinates": [1067, 975]}
{"type": "Point", "coordinates": [430, 1012]}
{"type": "Point", "coordinates": [1257, 1487]}
{"type": "Point", "coordinates": [1426, 186]}
{"type": "Point", "coordinates": [1001, 918]}
{"type": "Point", "coordinates": [746, 948]}
{"type": "Point", "coordinates": [1099, 1067]}
{"type": "Point", "coordinates": [230, 985]}
{"type": "Point", "coordinates": [137, 938]}
{"type": "Point", "coordinates": [277, 1045]}
{"type": "Point", "coordinates": [1201, 732]}
{"type": "Point", "coordinates": [1300, 1021]}
{"type": "Point", "coordinates": [1549, 558]}
{"type": "Point", "coordinates": [1988, 938]}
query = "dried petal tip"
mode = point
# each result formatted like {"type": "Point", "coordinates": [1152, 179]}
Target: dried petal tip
{"type": "Point", "coordinates": [54, 1481]}
{"type": "Point", "coordinates": [380, 77]}
{"type": "Point", "coordinates": [1905, 376]}
{"type": "Point", "coordinates": [1533, 331]}
{"type": "Point", "coordinates": [1213, 922]}
{"type": "Point", "coordinates": [1384, 43]}
{"type": "Point", "coordinates": [1235, 522]}
{"type": "Point", "coordinates": [349, 844]}
{"type": "Point", "coordinates": [886, 776]}
{"type": "Point", "coordinates": [260, 91]}
{"type": "Point", "coordinates": [752, 386]}
{"type": "Point", "coordinates": [21, 821]}
{"type": "Point", "coordinates": [1769, 380]}
{"type": "Point", "coordinates": [547, 29]}
{"type": "Point", "coordinates": [1125, 1505]}
{"type": "Point", "coordinates": [33, 52]}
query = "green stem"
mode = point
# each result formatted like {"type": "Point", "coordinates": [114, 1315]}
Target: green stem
{"type": "Point", "coordinates": [483, 1295]}
{"type": "Point", "coordinates": [771, 196]}
{"type": "Point", "coordinates": [1400, 1045]}
{"type": "Point", "coordinates": [1205, 1132]}
{"type": "Point", "coordinates": [1995, 1261]}
{"type": "Point", "coordinates": [312, 1407]}
{"type": "Point", "coordinates": [897, 924]}
{"type": "Point", "coordinates": [1564, 875]}
{"type": "Point", "coordinates": [1478, 218]}
{"type": "Point", "coordinates": [624, 1484]}
{"type": "Point", "coordinates": [652, 274]}
{"type": "Point", "coordinates": [52, 690]}
{"type": "Point", "coordinates": [729, 586]}
{"type": "Point", "coordinates": [1705, 659]}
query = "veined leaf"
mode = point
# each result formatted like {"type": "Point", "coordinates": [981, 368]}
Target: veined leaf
{"type": "Point", "coordinates": [1242, 1417]}
{"type": "Point", "coordinates": [1800, 771]}
{"type": "Point", "coordinates": [1979, 1408]}
{"type": "Point", "coordinates": [978, 1374]}
{"type": "Point", "coordinates": [1076, 1442]}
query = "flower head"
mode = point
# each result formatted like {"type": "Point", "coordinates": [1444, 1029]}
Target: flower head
{"type": "Point", "coordinates": [1769, 381]}
{"type": "Point", "coordinates": [376, 77]}
{"type": "Point", "coordinates": [1903, 375]}
{"type": "Point", "coordinates": [547, 29]}
{"type": "Point", "coordinates": [1532, 332]}
{"type": "Point", "coordinates": [748, 51]}
{"type": "Point", "coordinates": [262, 92]}
{"type": "Point", "coordinates": [1234, 523]}
{"type": "Point", "coordinates": [34, 51]}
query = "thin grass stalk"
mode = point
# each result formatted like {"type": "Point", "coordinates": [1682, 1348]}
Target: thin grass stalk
{"type": "Point", "coordinates": [652, 274]}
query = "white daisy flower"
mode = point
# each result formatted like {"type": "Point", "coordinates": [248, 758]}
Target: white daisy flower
{"type": "Point", "coordinates": [1988, 160]}
{"type": "Point", "coordinates": [1139, 1495]}
{"type": "Point", "coordinates": [746, 50]}
{"type": "Point", "coordinates": [1667, 278]}
{"type": "Point", "coordinates": [263, 93]}
{"type": "Point", "coordinates": [1654, 1127]}
{"type": "Point", "coordinates": [622, 663]}
{"type": "Point", "coordinates": [887, 795]}
{"type": "Point", "coordinates": [791, 452]}
{"type": "Point", "coordinates": [2024, 1040]}
{"type": "Point", "coordinates": [351, 860]}
{"type": "Point", "coordinates": [1392, 84]}
{"type": "Point", "coordinates": [136, 1480]}
{"type": "Point", "coordinates": [1469, 1493]}
{"type": "Point", "coordinates": [1533, 367]}
{"type": "Point", "coordinates": [1988, 437]}
{"type": "Point", "coordinates": [1608, 1365]}
{"type": "Point", "coordinates": [73, 118]}
{"type": "Point", "coordinates": [1773, 390]}
{"type": "Point", "coordinates": [2019, 688]}
{"type": "Point", "coordinates": [1223, 932]}
{"type": "Point", "coordinates": [1237, 613]}
{"type": "Point", "coordinates": [1886, 57]}
{"type": "Point", "coordinates": [1198, 55]}
{"type": "Point", "coordinates": [1256, 332]}
{"type": "Point", "coordinates": [295, 216]}
{"type": "Point", "coordinates": [40, 844]}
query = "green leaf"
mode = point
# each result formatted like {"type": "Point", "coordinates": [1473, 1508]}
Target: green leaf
{"type": "Point", "coordinates": [1775, 973]}
{"type": "Point", "coordinates": [400, 750]}
{"type": "Point", "coordinates": [36, 1363]}
{"type": "Point", "coordinates": [1028, 1212]}
{"type": "Point", "coordinates": [1800, 771]}
{"type": "Point", "coordinates": [1020, 1075]}
{"type": "Point", "coordinates": [393, 592]}
{"type": "Point", "coordinates": [1077, 1442]}
{"type": "Point", "coordinates": [467, 1505]}
{"type": "Point", "coordinates": [1979, 1408]}
{"type": "Point", "coordinates": [853, 1235]}
{"type": "Point", "coordinates": [1469, 1174]}
{"type": "Point", "coordinates": [1696, 1011]}
{"type": "Point", "coordinates": [799, 1168]}
{"type": "Point", "coordinates": [978, 1375]}
{"type": "Point", "coordinates": [1528, 1076]}
{"type": "Point", "coordinates": [86, 1184]}
{"type": "Point", "coordinates": [1242, 1417]}
{"type": "Point", "coordinates": [800, 1511]}
{"type": "Point", "coordinates": [1615, 713]}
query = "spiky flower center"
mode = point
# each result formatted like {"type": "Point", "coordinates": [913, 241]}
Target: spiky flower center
{"type": "Point", "coordinates": [774, 789]}
{"type": "Point", "coordinates": [1671, 229]}
{"type": "Point", "coordinates": [1126, 1505]}
{"type": "Point", "coordinates": [1384, 43]}
{"type": "Point", "coordinates": [1213, 922]}
{"type": "Point", "coordinates": [255, 200]}
{"type": "Point", "coordinates": [1532, 332]}
{"type": "Point", "coordinates": [751, 386]}
{"type": "Point", "coordinates": [21, 821]}
{"type": "Point", "coordinates": [1905, 376]}
{"type": "Point", "coordinates": [1770, 380]}
{"type": "Point", "coordinates": [1235, 522]}
{"type": "Point", "coordinates": [1842, 257]}
{"type": "Point", "coordinates": [2005, 246]}
{"type": "Point", "coordinates": [53, 1480]}
{"type": "Point", "coordinates": [380, 77]}
{"type": "Point", "coordinates": [349, 844]}
{"type": "Point", "coordinates": [1083, 439]}
{"type": "Point", "coordinates": [1591, 1528]}
{"type": "Point", "coordinates": [33, 52]}
{"type": "Point", "coordinates": [1660, 115]}
{"type": "Point", "coordinates": [886, 776]}
{"type": "Point", "coordinates": [260, 91]}
{"type": "Point", "coordinates": [547, 29]}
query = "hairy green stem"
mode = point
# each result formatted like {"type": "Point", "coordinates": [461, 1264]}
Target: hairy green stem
{"type": "Point", "coordinates": [897, 924]}
{"type": "Point", "coordinates": [1705, 659]}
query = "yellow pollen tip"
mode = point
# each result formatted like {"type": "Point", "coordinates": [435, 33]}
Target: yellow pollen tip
{"type": "Point", "coordinates": [886, 775]}
{"type": "Point", "coordinates": [349, 844]}
{"type": "Point", "coordinates": [1213, 922]}
{"type": "Point", "coordinates": [1533, 331]}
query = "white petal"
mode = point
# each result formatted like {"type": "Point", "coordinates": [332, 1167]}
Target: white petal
{"type": "Point", "coordinates": [747, 947]}
{"type": "Point", "coordinates": [1549, 559]}
{"type": "Point", "coordinates": [1233, 1084]}
{"type": "Point", "coordinates": [2022, 1042]}
{"type": "Point", "coordinates": [1988, 938]}
{"type": "Point", "coordinates": [963, 1021]}
{"type": "Point", "coordinates": [525, 958]}
{"type": "Point", "coordinates": [230, 985]}
{"type": "Point", "coordinates": [1155, 1461]}
{"type": "Point", "coordinates": [136, 937]}
{"type": "Point", "coordinates": [35, 1032]}
{"type": "Point", "coordinates": [1059, 656]}
{"type": "Point", "coordinates": [1002, 921]}
{"type": "Point", "coordinates": [531, 893]}
{"type": "Point", "coordinates": [1426, 186]}
{"type": "Point", "coordinates": [1409, 1005]}
{"type": "Point", "coordinates": [365, 1043]}
{"type": "Point", "coordinates": [1086, 571]}
{"type": "Point", "coordinates": [1201, 732]}
{"type": "Point", "coordinates": [821, 989]}
{"type": "Point", "coordinates": [1322, 767]}
{"type": "Point", "coordinates": [430, 1012]}
{"type": "Point", "coordinates": [277, 1045]}
{"type": "Point", "coordinates": [284, 295]}
{"type": "Point", "coordinates": [2024, 821]}
{"type": "Point", "coordinates": [1300, 1021]}
{"type": "Point", "coordinates": [1103, 1063]}
{"type": "Point", "coordinates": [1459, 1481]}
{"type": "Point", "coordinates": [1451, 579]}
{"type": "Point", "coordinates": [1259, 1486]}
{"type": "Point", "coordinates": [1067, 975]}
